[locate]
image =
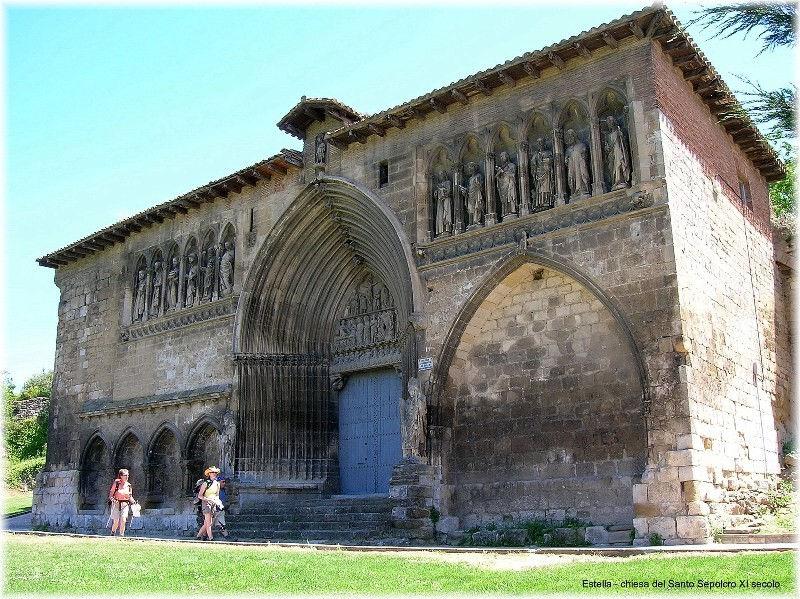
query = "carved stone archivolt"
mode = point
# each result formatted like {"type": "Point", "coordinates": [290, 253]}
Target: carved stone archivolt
{"type": "Point", "coordinates": [187, 279]}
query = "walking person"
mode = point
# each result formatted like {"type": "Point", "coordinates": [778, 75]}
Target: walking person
{"type": "Point", "coordinates": [121, 497]}
{"type": "Point", "coordinates": [210, 503]}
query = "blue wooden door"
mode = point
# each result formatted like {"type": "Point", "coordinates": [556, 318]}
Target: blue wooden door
{"type": "Point", "coordinates": [369, 431]}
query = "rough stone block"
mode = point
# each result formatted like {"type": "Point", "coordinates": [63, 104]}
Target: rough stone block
{"type": "Point", "coordinates": [697, 508]}
{"type": "Point", "coordinates": [447, 524]}
{"type": "Point", "coordinates": [693, 527]}
{"type": "Point", "coordinates": [596, 535]}
{"type": "Point", "coordinates": [662, 526]}
{"type": "Point", "coordinates": [693, 473]}
{"type": "Point", "coordinates": [640, 526]}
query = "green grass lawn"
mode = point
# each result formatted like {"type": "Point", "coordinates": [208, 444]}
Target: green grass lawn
{"type": "Point", "coordinates": [99, 566]}
{"type": "Point", "coordinates": [18, 501]}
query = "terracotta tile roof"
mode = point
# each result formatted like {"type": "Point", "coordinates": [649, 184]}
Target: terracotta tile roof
{"type": "Point", "coordinates": [308, 110]}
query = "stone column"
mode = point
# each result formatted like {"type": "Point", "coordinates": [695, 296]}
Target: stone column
{"type": "Point", "coordinates": [596, 148]}
{"type": "Point", "coordinates": [558, 166]}
{"type": "Point", "coordinates": [458, 204]}
{"type": "Point", "coordinates": [491, 191]}
{"type": "Point", "coordinates": [523, 168]}
{"type": "Point", "coordinates": [430, 213]}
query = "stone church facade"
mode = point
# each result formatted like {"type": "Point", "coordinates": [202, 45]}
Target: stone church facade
{"type": "Point", "coordinates": [548, 290]}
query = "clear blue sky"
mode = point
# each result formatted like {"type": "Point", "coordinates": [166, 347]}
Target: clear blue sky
{"type": "Point", "coordinates": [113, 110]}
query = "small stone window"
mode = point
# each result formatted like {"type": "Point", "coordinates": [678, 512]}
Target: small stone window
{"type": "Point", "coordinates": [383, 173]}
{"type": "Point", "coordinates": [744, 193]}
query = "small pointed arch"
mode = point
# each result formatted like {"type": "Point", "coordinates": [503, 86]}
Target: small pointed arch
{"type": "Point", "coordinates": [538, 125]}
{"type": "Point", "coordinates": [471, 150]}
{"type": "Point", "coordinates": [129, 454]}
{"type": "Point", "coordinates": [610, 100]}
{"type": "Point", "coordinates": [228, 233]}
{"type": "Point", "coordinates": [202, 449]}
{"type": "Point", "coordinates": [574, 112]}
{"type": "Point", "coordinates": [504, 138]}
{"type": "Point", "coordinates": [437, 156]}
{"type": "Point", "coordinates": [95, 472]}
{"type": "Point", "coordinates": [161, 428]}
{"type": "Point", "coordinates": [164, 467]}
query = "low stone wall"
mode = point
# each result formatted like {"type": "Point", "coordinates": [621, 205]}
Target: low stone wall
{"type": "Point", "coordinates": [56, 506]}
{"type": "Point", "coordinates": [30, 407]}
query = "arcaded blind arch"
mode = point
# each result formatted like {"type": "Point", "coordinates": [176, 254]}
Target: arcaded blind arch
{"type": "Point", "coordinates": [331, 236]}
{"type": "Point", "coordinates": [546, 405]}
{"type": "Point", "coordinates": [96, 474]}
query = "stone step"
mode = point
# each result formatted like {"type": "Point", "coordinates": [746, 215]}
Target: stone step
{"type": "Point", "coordinates": [266, 518]}
{"type": "Point", "coordinates": [741, 530]}
{"type": "Point", "coordinates": [308, 534]}
{"type": "Point", "coordinates": [622, 537]}
{"type": "Point", "coordinates": [759, 538]}
{"type": "Point", "coordinates": [337, 525]}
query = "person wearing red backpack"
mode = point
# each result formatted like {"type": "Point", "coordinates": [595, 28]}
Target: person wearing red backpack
{"type": "Point", "coordinates": [120, 495]}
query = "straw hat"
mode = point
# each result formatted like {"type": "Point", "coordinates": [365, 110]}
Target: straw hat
{"type": "Point", "coordinates": [211, 469]}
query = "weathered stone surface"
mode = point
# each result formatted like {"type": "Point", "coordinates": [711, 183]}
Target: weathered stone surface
{"type": "Point", "coordinates": [596, 535]}
{"type": "Point", "coordinates": [591, 360]}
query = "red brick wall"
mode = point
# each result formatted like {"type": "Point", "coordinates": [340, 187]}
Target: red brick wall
{"type": "Point", "coordinates": [699, 130]}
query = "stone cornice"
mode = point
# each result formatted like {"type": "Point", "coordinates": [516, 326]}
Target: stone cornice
{"type": "Point", "coordinates": [221, 308]}
{"type": "Point", "coordinates": [108, 406]}
{"type": "Point", "coordinates": [449, 250]}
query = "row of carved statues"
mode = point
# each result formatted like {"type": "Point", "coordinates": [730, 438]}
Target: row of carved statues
{"type": "Point", "coordinates": [543, 170]}
{"type": "Point", "coordinates": [368, 317]}
{"type": "Point", "coordinates": [206, 277]}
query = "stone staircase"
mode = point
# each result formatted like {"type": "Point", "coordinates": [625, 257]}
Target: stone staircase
{"type": "Point", "coordinates": [350, 519]}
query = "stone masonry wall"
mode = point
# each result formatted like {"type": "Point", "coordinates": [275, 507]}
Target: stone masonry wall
{"type": "Point", "coordinates": [549, 417]}
{"type": "Point", "coordinates": [726, 283]}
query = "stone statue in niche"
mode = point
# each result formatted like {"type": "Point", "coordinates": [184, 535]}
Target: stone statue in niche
{"type": "Point", "coordinates": [141, 290]}
{"type": "Point", "coordinates": [155, 294]}
{"type": "Point", "coordinates": [209, 273]}
{"type": "Point", "coordinates": [507, 184]}
{"type": "Point", "coordinates": [617, 160]}
{"type": "Point", "coordinates": [577, 161]}
{"type": "Point", "coordinates": [226, 269]}
{"type": "Point", "coordinates": [173, 276]}
{"type": "Point", "coordinates": [443, 200]}
{"type": "Point", "coordinates": [476, 203]}
{"type": "Point", "coordinates": [542, 176]}
{"type": "Point", "coordinates": [191, 279]}
{"type": "Point", "coordinates": [320, 149]}
{"type": "Point", "coordinates": [414, 419]}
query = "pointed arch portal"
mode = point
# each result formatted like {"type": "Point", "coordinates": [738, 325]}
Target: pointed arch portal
{"type": "Point", "coordinates": [329, 296]}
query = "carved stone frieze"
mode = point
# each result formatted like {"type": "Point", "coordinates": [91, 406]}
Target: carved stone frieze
{"type": "Point", "coordinates": [218, 309]}
{"type": "Point", "coordinates": [541, 223]}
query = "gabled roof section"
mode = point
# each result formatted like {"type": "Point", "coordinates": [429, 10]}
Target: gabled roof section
{"type": "Point", "coordinates": [309, 110]}
{"type": "Point", "coordinates": [656, 23]}
{"type": "Point", "coordinates": [277, 165]}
